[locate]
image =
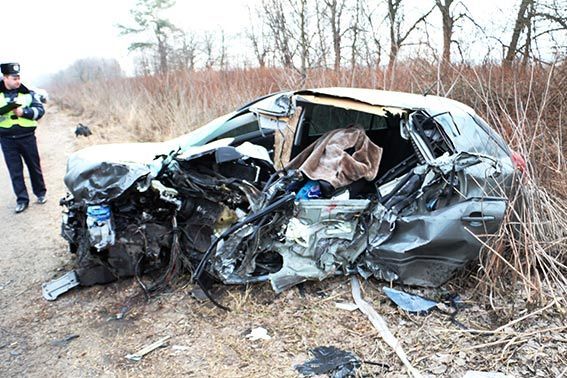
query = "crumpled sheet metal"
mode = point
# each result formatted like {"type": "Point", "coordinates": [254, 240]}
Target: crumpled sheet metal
{"type": "Point", "coordinates": [97, 182]}
{"type": "Point", "coordinates": [418, 247]}
{"type": "Point", "coordinates": [427, 249]}
{"type": "Point", "coordinates": [101, 173]}
{"type": "Point", "coordinates": [321, 241]}
{"type": "Point", "coordinates": [489, 178]}
{"type": "Point", "coordinates": [481, 175]}
{"type": "Point", "coordinates": [410, 302]}
{"type": "Point", "coordinates": [92, 180]}
{"type": "Point", "coordinates": [412, 244]}
{"type": "Point", "coordinates": [494, 176]}
{"type": "Point", "coordinates": [227, 254]}
{"type": "Point", "coordinates": [427, 246]}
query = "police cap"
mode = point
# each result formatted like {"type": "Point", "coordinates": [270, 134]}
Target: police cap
{"type": "Point", "coordinates": [10, 68]}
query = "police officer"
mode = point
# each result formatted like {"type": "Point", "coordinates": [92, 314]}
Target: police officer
{"type": "Point", "coordinates": [19, 111]}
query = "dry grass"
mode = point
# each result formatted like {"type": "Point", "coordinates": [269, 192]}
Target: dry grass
{"type": "Point", "coordinates": [213, 342]}
{"type": "Point", "coordinates": [527, 107]}
{"type": "Point", "coordinates": [158, 108]}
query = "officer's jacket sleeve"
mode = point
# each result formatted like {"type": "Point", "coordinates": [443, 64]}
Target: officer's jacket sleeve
{"type": "Point", "coordinates": [35, 110]}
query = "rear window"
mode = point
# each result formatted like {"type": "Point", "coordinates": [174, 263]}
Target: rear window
{"type": "Point", "coordinates": [326, 118]}
{"type": "Point", "coordinates": [491, 133]}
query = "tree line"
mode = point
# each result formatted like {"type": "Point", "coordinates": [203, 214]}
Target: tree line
{"type": "Point", "coordinates": [337, 34]}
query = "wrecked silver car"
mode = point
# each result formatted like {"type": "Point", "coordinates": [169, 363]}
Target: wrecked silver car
{"type": "Point", "coordinates": [294, 186]}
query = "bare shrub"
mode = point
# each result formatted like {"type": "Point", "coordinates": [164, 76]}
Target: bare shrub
{"type": "Point", "coordinates": [527, 108]}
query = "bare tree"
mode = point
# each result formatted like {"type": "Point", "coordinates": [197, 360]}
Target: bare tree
{"type": "Point", "coordinates": [523, 21]}
{"type": "Point", "coordinates": [335, 10]}
{"type": "Point", "coordinates": [208, 47]}
{"type": "Point", "coordinates": [260, 50]}
{"type": "Point", "coordinates": [323, 49]}
{"type": "Point", "coordinates": [552, 15]}
{"type": "Point", "coordinates": [356, 30]}
{"type": "Point", "coordinates": [222, 51]}
{"type": "Point", "coordinates": [186, 53]}
{"type": "Point", "coordinates": [448, 21]}
{"type": "Point", "coordinates": [536, 19]}
{"type": "Point", "coordinates": [258, 38]}
{"type": "Point", "coordinates": [142, 65]}
{"type": "Point", "coordinates": [304, 43]}
{"type": "Point", "coordinates": [277, 23]}
{"type": "Point", "coordinates": [373, 45]}
{"type": "Point", "coordinates": [288, 25]}
{"type": "Point", "coordinates": [553, 11]}
{"type": "Point", "coordinates": [449, 18]}
{"type": "Point", "coordinates": [397, 36]}
{"type": "Point", "coordinates": [528, 44]}
{"type": "Point", "coordinates": [147, 19]}
{"type": "Point", "coordinates": [88, 70]}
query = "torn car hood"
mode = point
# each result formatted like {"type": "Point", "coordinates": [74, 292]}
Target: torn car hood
{"type": "Point", "coordinates": [101, 173]}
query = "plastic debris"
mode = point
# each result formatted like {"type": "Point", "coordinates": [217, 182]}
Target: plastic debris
{"type": "Point", "coordinates": [147, 349]}
{"type": "Point", "coordinates": [101, 229]}
{"type": "Point", "coordinates": [346, 306]}
{"type": "Point", "coordinates": [410, 302]}
{"type": "Point", "coordinates": [380, 324]}
{"type": "Point", "coordinates": [310, 190]}
{"type": "Point", "coordinates": [258, 333]}
{"type": "Point", "coordinates": [54, 288]}
{"type": "Point", "coordinates": [330, 360]}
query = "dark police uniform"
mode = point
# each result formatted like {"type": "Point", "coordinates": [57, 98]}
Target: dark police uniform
{"type": "Point", "coordinates": [17, 136]}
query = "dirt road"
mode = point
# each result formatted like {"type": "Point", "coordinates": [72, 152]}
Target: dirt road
{"type": "Point", "coordinates": [89, 331]}
{"type": "Point", "coordinates": [30, 253]}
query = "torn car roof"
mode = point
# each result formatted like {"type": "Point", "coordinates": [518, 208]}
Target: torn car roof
{"type": "Point", "coordinates": [391, 98]}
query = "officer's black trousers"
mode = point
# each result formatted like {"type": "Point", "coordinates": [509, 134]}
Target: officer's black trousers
{"type": "Point", "coordinates": [16, 149]}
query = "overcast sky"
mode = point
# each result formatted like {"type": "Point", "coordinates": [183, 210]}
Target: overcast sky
{"type": "Point", "coordinates": [49, 35]}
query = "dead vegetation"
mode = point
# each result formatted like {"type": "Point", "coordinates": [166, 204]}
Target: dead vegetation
{"type": "Point", "coordinates": [207, 342]}
{"type": "Point", "coordinates": [532, 247]}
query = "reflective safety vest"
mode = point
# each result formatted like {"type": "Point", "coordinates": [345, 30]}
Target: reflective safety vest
{"type": "Point", "coordinates": [6, 120]}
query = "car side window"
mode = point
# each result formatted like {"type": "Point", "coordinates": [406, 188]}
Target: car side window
{"type": "Point", "coordinates": [241, 125]}
{"type": "Point", "coordinates": [240, 130]}
{"type": "Point", "coordinates": [491, 133]}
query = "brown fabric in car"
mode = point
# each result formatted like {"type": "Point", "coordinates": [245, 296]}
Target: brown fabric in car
{"type": "Point", "coordinates": [328, 158]}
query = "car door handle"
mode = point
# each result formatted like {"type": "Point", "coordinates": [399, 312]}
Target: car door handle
{"type": "Point", "coordinates": [477, 219]}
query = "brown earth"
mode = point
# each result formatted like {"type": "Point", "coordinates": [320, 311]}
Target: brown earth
{"type": "Point", "coordinates": [206, 341]}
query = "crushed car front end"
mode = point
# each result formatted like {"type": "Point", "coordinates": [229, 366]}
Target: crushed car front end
{"type": "Point", "coordinates": [398, 186]}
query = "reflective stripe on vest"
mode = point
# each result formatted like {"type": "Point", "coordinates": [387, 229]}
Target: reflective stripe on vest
{"type": "Point", "coordinates": [6, 120]}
